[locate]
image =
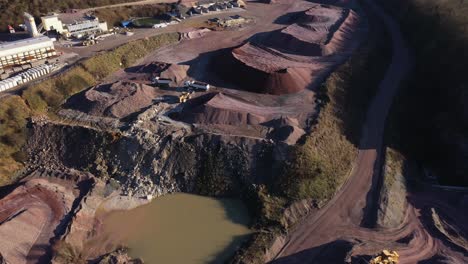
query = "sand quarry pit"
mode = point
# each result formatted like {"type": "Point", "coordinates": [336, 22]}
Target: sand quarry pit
{"type": "Point", "coordinates": [295, 57]}
{"type": "Point", "coordinates": [263, 83]}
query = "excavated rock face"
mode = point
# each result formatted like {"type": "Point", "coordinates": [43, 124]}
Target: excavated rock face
{"type": "Point", "coordinates": [154, 163]}
{"type": "Point", "coordinates": [2, 260]}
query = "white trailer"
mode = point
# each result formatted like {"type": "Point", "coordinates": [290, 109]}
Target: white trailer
{"type": "Point", "coordinates": [159, 80]}
{"type": "Point", "coordinates": [197, 85]}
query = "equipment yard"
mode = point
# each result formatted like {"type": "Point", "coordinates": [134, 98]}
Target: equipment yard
{"type": "Point", "coordinates": [216, 113]}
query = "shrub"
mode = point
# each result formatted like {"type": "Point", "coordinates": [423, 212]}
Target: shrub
{"type": "Point", "coordinates": [13, 115]}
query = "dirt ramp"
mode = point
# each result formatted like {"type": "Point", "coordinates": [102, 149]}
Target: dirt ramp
{"type": "Point", "coordinates": [218, 108]}
{"type": "Point", "coordinates": [118, 100]}
{"type": "Point", "coordinates": [294, 40]}
{"type": "Point", "coordinates": [289, 80]}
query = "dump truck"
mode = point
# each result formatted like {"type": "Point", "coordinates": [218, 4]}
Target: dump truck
{"type": "Point", "coordinates": [386, 257]}
{"type": "Point", "coordinates": [161, 81]}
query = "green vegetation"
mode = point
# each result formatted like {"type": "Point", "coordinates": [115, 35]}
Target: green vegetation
{"type": "Point", "coordinates": [65, 253]}
{"type": "Point", "coordinates": [103, 65]}
{"type": "Point", "coordinates": [13, 115]}
{"type": "Point", "coordinates": [394, 162]}
{"type": "Point", "coordinates": [319, 166]}
{"type": "Point", "coordinates": [47, 96]}
{"type": "Point", "coordinates": [113, 16]}
{"type": "Point", "coordinates": [392, 197]}
{"type": "Point", "coordinates": [212, 180]}
{"type": "Point", "coordinates": [12, 10]}
{"type": "Point", "coordinates": [429, 121]}
{"type": "Point", "coordinates": [52, 92]}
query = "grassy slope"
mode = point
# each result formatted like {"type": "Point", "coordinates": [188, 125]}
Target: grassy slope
{"type": "Point", "coordinates": [429, 121]}
{"type": "Point", "coordinates": [113, 16]}
{"type": "Point", "coordinates": [321, 163]}
{"type": "Point", "coordinates": [12, 10]}
{"type": "Point", "coordinates": [48, 95]}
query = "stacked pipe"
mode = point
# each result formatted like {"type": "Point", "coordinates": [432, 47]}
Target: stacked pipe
{"type": "Point", "coordinates": [26, 76]}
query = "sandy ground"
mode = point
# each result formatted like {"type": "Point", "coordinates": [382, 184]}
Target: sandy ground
{"type": "Point", "coordinates": [28, 217]}
{"type": "Point", "coordinates": [341, 218]}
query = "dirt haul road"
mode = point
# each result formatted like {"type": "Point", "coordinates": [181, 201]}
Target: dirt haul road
{"type": "Point", "coordinates": [342, 217]}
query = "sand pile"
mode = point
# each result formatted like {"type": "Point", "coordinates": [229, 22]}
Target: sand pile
{"type": "Point", "coordinates": [118, 99]}
{"type": "Point", "coordinates": [218, 108]}
{"type": "Point", "coordinates": [291, 59]}
{"type": "Point", "coordinates": [176, 72]}
{"type": "Point", "coordinates": [193, 33]}
{"type": "Point", "coordinates": [145, 72]}
{"type": "Point", "coordinates": [229, 110]}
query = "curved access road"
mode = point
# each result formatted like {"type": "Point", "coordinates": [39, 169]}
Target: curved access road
{"type": "Point", "coordinates": [340, 219]}
{"type": "Point", "coordinates": [338, 227]}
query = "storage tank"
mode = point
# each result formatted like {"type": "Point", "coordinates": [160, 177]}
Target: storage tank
{"type": "Point", "coordinates": [30, 25]}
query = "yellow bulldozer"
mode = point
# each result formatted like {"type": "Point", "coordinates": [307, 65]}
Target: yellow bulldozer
{"type": "Point", "coordinates": [185, 96]}
{"type": "Point", "coordinates": [385, 257]}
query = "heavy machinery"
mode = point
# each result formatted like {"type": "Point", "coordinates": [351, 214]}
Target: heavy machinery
{"type": "Point", "coordinates": [197, 85]}
{"type": "Point", "coordinates": [185, 96]}
{"type": "Point", "coordinates": [386, 257]}
{"type": "Point", "coordinates": [89, 42]}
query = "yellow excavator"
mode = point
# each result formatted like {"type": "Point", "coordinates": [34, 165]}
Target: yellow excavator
{"type": "Point", "coordinates": [386, 257]}
{"type": "Point", "coordinates": [185, 96]}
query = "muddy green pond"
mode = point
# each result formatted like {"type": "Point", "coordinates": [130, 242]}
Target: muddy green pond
{"type": "Point", "coordinates": [181, 228]}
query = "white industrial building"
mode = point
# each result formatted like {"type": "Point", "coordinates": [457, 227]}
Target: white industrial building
{"type": "Point", "coordinates": [52, 22]}
{"type": "Point", "coordinates": [87, 26]}
{"type": "Point", "coordinates": [26, 51]}
{"type": "Point", "coordinates": [76, 27]}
